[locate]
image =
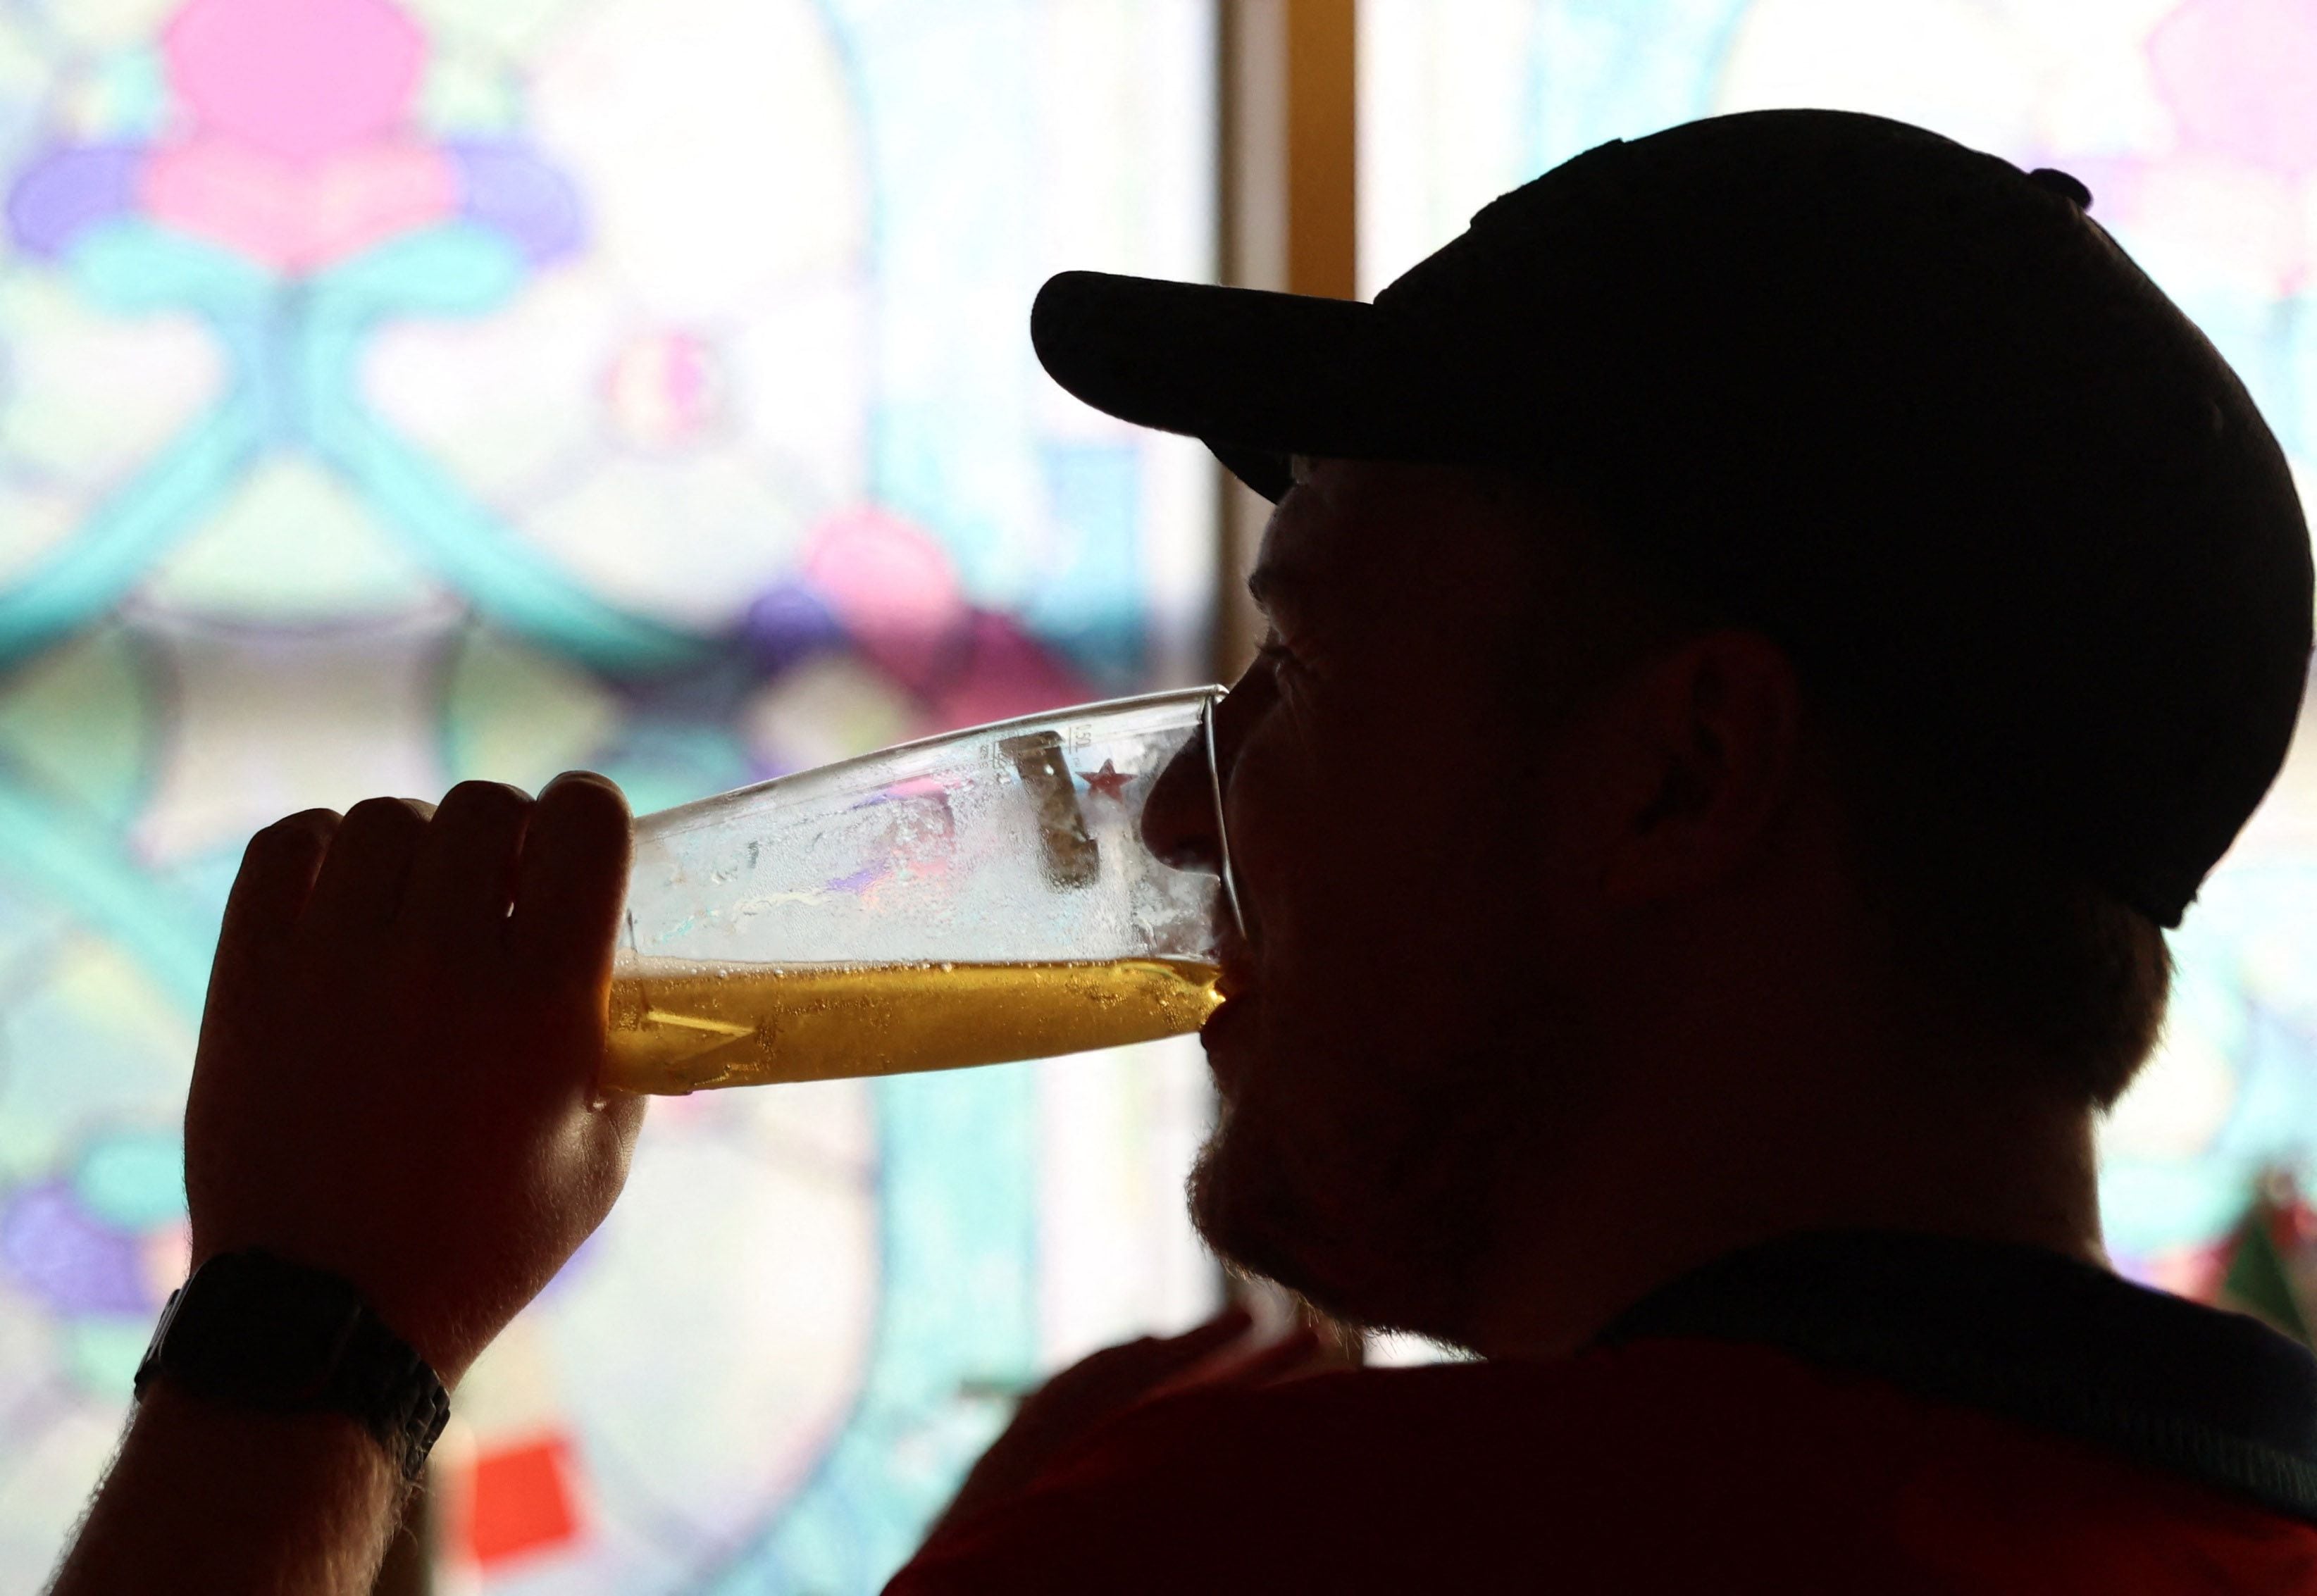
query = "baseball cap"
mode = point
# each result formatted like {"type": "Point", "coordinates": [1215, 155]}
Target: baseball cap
{"type": "Point", "coordinates": [1900, 405]}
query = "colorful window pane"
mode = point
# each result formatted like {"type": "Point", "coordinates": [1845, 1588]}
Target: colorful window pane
{"type": "Point", "coordinates": [2192, 123]}
{"type": "Point", "coordinates": [396, 391]}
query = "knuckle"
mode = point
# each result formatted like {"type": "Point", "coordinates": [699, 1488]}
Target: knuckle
{"type": "Point", "coordinates": [590, 809]}
{"type": "Point", "coordinates": [485, 802]}
{"type": "Point", "coordinates": [572, 781]}
{"type": "Point", "coordinates": [586, 788]}
{"type": "Point", "coordinates": [314, 819]}
{"type": "Point", "coordinates": [299, 831]}
{"type": "Point", "coordinates": [383, 814]}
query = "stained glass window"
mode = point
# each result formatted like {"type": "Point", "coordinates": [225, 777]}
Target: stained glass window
{"type": "Point", "coordinates": [396, 391]}
{"type": "Point", "coordinates": [2192, 123]}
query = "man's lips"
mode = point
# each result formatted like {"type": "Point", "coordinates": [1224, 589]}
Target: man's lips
{"type": "Point", "coordinates": [1234, 965]}
{"type": "Point", "coordinates": [1235, 985]}
{"type": "Point", "coordinates": [1221, 1036]}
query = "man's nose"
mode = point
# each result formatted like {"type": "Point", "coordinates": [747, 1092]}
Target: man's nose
{"type": "Point", "coordinates": [1179, 824]}
{"type": "Point", "coordinates": [1182, 821]}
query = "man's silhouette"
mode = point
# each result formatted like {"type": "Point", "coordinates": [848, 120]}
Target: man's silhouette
{"type": "Point", "coordinates": [1765, 629]}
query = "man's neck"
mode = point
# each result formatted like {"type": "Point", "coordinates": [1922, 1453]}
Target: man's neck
{"type": "Point", "coordinates": [1679, 1172]}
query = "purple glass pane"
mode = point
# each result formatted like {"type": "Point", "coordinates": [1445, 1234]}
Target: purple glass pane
{"type": "Point", "coordinates": [75, 1263]}
{"type": "Point", "coordinates": [68, 191]}
{"type": "Point", "coordinates": [787, 624]}
{"type": "Point", "coordinates": [507, 188]}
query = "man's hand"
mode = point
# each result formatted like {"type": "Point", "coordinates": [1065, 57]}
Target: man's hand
{"type": "Point", "coordinates": [404, 1022]}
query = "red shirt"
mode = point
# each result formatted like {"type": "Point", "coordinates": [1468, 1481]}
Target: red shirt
{"type": "Point", "coordinates": [1682, 1462]}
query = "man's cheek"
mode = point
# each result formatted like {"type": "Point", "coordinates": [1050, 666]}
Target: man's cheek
{"type": "Point", "coordinates": [1276, 1168]}
{"type": "Point", "coordinates": [1313, 1100]}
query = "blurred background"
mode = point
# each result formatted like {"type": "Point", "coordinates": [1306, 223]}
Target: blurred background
{"type": "Point", "coordinates": [396, 391]}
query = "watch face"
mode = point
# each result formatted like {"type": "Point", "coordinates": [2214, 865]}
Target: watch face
{"type": "Point", "coordinates": [257, 1331]}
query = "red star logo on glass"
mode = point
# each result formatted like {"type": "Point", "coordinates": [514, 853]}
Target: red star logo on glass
{"type": "Point", "coordinates": [1110, 780]}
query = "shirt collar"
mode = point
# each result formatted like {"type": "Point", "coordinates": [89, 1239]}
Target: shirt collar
{"type": "Point", "coordinates": [2026, 1333]}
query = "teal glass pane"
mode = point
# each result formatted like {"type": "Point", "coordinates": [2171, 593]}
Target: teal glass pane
{"type": "Point", "coordinates": [2192, 124]}
{"type": "Point", "coordinates": [641, 385]}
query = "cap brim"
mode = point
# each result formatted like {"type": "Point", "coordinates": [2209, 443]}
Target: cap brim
{"type": "Point", "coordinates": [1255, 376]}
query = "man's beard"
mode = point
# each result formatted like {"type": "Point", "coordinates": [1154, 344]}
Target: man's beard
{"type": "Point", "coordinates": [1381, 1213]}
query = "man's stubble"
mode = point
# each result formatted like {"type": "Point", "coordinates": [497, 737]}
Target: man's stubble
{"type": "Point", "coordinates": [1381, 1202]}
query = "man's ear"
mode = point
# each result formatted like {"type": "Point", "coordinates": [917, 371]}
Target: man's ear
{"type": "Point", "coordinates": [1718, 721]}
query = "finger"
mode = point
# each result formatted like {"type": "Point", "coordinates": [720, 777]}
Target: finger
{"type": "Point", "coordinates": [270, 891]}
{"type": "Point", "coordinates": [362, 880]}
{"type": "Point", "coordinates": [277, 875]}
{"type": "Point", "coordinates": [463, 876]}
{"type": "Point", "coordinates": [573, 880]}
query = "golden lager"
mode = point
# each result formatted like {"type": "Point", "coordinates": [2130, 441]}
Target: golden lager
{"type": "Point", "coordinates": [677, 1027]}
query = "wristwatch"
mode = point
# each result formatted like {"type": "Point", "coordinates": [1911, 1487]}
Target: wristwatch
{"type": "Point", "coordinates": [254, 1331]}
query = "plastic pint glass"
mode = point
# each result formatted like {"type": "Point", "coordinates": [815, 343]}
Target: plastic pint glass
{"type": "Point", "coordinates": [972, 898]}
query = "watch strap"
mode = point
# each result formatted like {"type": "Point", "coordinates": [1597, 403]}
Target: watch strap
{"type": "Point", "coordinates": [382, 1381]}
{"type": "Point", "coordinates": [352, 1363]}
